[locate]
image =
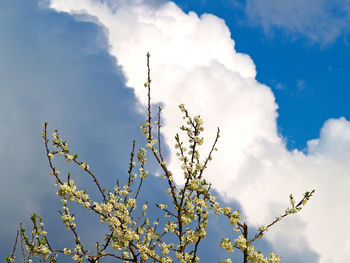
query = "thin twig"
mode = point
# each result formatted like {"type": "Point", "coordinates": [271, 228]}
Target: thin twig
{"type": "Point", "coordinates": [15, 245]}
{"type": "Point", "coordinates": [22, 247]}
{"type": "Point", "coordinates": [149, 99]}
{"type": "Point", "coordinates": [210, 153]}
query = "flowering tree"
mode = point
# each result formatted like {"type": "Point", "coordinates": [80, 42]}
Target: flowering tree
{"type": "Point", "coordinates": [132, 237]}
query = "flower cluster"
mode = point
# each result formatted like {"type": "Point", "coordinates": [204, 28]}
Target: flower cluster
{"type": "Point", "coordinates": [226, 244]}
{"type": "Point", "coordinates": [132, 236]}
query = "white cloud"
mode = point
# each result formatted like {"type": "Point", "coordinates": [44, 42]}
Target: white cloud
{"type": "Point", "coordinates": [301, 84]}
{"type": "Point", "coordinates": [193, 61]}
{"type": "Point", "coordinates": [319, 20]}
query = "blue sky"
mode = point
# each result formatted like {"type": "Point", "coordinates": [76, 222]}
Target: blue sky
{"type": "Point", "coordinates": [274, 76]}
{"type": "Point", "coordinates": [309, 77]}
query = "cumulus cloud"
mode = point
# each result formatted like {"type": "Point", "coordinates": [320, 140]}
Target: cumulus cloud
{"type": "Point", "coordinates": [193, 61]}
{"type": "Point", "coordinates": [318, 20]}
{"type": "Point", "coordinates": [47, 74]}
